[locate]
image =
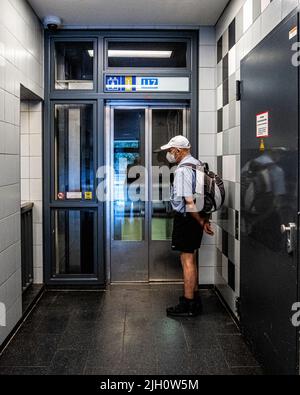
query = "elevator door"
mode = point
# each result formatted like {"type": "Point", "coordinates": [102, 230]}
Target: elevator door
{"type": "Point", "coordinates": [140, 228]}
{"type": "Point", "coordinates": [269, 199]}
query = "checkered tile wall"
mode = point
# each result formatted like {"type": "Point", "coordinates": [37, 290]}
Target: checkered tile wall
{"type": "Point", "coordinates": [243, 25]}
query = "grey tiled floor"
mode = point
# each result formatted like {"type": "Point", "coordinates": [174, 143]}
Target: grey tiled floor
{"type": "Point", "coordinates": [124, 330]}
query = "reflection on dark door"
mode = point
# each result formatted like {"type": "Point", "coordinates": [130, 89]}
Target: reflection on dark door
{"type": "Point", "coordinates": [269, 199]}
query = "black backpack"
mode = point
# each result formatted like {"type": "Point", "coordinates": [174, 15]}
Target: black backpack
{"type": "Point", "coordinates": [209, 188]}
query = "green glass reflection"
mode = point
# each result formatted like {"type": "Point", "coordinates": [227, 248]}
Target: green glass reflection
{"type": "Point", "coordinates": [162, 228]}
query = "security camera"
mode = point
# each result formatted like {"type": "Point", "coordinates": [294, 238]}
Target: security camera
{"type": "Point", "coordinates": [52, 22]}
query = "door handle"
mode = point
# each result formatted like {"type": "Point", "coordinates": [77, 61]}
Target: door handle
{"type": "Point", "coordinates": [291, 236]}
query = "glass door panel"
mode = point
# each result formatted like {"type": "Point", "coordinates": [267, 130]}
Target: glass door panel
{"type": "Point", "coordinates": [74, 153]}
{"type": "Point", "coordinates": [73, 241]}
{"type": "Point", "coordinates": [75, 218]}
{"type": "Point", "coordinates": [164, 264]}
{"type": "Point", "coordinates": [141, 229]}
{"type": "Point", "coordinates": [129, 151]}
{"type": "Point", "coordinates": [166, 123]}
{"type": "Point", "coordinates": [129, 236]}
{"type": "Point", "coordinates": [74, 65]}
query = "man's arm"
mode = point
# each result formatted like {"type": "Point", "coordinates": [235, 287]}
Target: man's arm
{"type": "Point", "coordinates": [184, 189]}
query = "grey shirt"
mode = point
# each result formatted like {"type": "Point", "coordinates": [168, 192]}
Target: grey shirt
{"type": "Point", "coordinates": [184, 184]}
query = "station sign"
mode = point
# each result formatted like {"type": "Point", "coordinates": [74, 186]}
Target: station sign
{"type": "Point", "coordinates": [119, 83]}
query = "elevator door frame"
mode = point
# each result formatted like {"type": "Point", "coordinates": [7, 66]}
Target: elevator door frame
{"type": "Point", "coordinates": [148, 106]}
{"type": "Point", "coordinates": [101, 97]}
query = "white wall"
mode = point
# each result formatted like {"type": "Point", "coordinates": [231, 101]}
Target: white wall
{"type": "Point", "coordinates": [254, 19]}
{"type": "Point", "coordinates": [31, 176]}
{"type": "Point", "coordinates": [21, 62]}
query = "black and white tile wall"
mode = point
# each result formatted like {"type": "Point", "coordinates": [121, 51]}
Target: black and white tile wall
{"type": "Point", "coordinates": [207, 135]}
{"type": "Point", "coordinates": [242, 26]}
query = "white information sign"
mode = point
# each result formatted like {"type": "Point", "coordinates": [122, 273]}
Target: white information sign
{"type": "Point", "coordinates": [117, 83]}
{"type": "Point", "coordinates": [262, 124]}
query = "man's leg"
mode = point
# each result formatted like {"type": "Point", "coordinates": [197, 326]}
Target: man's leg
{"type": "Point", "coordinates": [196, 266]}
{"type": "Point", "coordinates": [188, 261]}
{"type": "Point", "coordinates": [188, 304]}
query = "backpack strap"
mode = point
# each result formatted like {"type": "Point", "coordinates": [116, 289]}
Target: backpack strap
{"type": "Point", "coordinates": [194, 166]}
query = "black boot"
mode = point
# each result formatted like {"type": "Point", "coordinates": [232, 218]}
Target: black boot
{"type": "Point", "coordinates": [198, 302]}
{"type": "Point", "coordinates": [185, 308]}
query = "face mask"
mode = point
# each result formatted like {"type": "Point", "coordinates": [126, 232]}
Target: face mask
{"type": "Point", "coordinates": [170, 157]}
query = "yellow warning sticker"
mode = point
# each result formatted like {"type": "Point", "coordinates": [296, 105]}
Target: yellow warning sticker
{"type": "Point", "coordinates": [88, 195]}
{"type": "Point", "coordinates": [262, 145]}
{"type": "Point", "coordinates": [293, 32]}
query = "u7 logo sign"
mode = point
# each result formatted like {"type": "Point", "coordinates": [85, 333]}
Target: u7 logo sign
{"type": "Point", "coordinates": [147, 82]}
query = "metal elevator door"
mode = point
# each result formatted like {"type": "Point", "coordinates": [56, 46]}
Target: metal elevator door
{"type": "Point", "coordinates": [269, 199]}
{"type": "Point", "coordinates": [139, 232]}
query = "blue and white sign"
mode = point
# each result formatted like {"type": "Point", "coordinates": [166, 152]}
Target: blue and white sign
{"type": "Point", "coordinates": [113, 83]}
{"type": "Point", "coordinates": [117, 83]}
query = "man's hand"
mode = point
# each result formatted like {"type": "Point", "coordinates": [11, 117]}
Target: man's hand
{"type": "Point", "coordinates": [208, 229]}
{"type": "Point", "coordinates": [202, 219]}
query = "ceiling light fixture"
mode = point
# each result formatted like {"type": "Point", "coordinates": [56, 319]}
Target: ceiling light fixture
{"type": "Point", "coordinates": [121, 53]}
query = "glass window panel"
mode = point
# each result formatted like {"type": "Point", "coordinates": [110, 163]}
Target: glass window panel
{"type": "Point", "coordinates": [74, 158]}
{"type": "Point", "coordinates": [74, 64]}
{"type": "Point", "coordinates": [166, 124]}
{"type": "Point", "coordinates": [129, 212]}
{"type": "Point", "coordinates": [147, 54]}
{"type": "Point", "coordinates": [73, 241]}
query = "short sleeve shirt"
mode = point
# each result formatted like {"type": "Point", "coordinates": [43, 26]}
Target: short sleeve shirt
{"type": "Point", "coordinates": [184, 184]}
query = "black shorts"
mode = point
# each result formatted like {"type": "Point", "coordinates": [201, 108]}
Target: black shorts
{"type": "Point", "coordinates": [187, 233]}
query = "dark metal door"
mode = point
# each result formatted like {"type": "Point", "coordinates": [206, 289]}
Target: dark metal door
{"type": "Point", "coordinates": [269, 199]}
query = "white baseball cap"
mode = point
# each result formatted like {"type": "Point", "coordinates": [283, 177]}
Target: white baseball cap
{"type": "Point", "coordinates": [177, 142]}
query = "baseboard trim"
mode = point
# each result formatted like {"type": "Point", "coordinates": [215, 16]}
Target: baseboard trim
{"type": "Point", "coordinates": [68, 287]}
{"type": "Point", "coordinates": [225, 304]}
{"type": "Point", "coordinates": [25, 314]}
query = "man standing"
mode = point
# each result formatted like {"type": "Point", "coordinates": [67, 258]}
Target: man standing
{"type": "Point", "coordinates": [188, 226]}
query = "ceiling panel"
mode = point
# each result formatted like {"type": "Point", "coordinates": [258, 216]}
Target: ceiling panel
{"type": "Point", "coordinates": [131, 12]}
